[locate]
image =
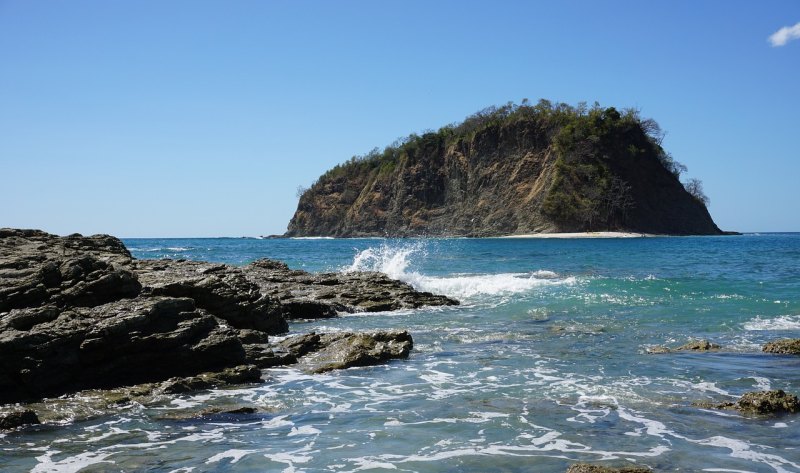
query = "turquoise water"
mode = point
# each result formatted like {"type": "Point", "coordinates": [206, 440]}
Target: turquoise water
{"type": "Point", "coordinates": [543, 364]}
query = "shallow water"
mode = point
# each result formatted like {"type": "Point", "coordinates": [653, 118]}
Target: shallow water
{"type": "Point", "coordinates": [543, 364]}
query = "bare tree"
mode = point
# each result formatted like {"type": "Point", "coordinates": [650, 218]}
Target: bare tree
{"type": "Point", "coordinates": [695, 188]}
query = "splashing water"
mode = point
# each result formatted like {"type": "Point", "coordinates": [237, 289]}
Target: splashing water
{"type": "Point", "coordinates": [392, 261]}
{"type": "Point", "coordinates": [783, 322]}
{"type": "Point", "coordinates": [396, 261]}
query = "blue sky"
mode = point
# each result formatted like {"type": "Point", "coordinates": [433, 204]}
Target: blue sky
{"type": "Point", "coordinates": [159, 119]}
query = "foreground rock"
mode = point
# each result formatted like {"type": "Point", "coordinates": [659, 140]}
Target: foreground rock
{"type": "Point", "coordinates": [322, 353]}
{"type": "Point", "coordinates": [46, 352]}
{"type": "Point", "coordinates": [762, 403]}
{"type": "Point", "coordinates": [588, 468]}
{"type": "Point", "coordinates": [91, 403]}
{"type": "Point", "coordinates": [786, 346]}
{"type": "Point", "coordinates": [79, 313]}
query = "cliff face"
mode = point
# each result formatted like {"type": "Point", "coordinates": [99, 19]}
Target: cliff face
{"type": "Point", "coordinates": [531, 172]}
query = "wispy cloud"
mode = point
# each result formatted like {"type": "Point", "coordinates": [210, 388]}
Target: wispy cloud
{"type": "Point", "coordinates": [784, 35]}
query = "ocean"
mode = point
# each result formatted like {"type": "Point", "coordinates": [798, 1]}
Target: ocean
{"type": "Point", "coordinates": [544, 364]}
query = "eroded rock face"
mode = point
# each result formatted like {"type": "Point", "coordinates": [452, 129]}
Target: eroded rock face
{"type": "Point", "coordinates": [44, 351]}
{"type": "Point", "coordinates": [492, 182]}
{"type": "Point", "coordinates": [322, 353]}
{"type": "Point", "coordinates": [310, 296]}
{"type": "Point", "coordinates": [786, 346]}
{"type": "Point", "coordinates": [222, 290]}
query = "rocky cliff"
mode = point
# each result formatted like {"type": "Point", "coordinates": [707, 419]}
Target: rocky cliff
{"type": "Point", "coordinates": [510, 170]}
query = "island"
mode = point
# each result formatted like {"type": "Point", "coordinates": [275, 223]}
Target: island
{"type": "Point", "coordinates": [511, 170]}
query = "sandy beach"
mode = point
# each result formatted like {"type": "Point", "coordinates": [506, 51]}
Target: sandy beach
{"type": "Point", "coordinates": [583, 235]}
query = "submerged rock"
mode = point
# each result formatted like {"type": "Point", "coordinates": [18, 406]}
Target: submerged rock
{"type": "Point", "coordinates": [761, 403]}
{"type": "Point", "coordinates": [786, 346]}
{"type": "Point", "coordinates": [588, 468]}
{"type": "Point", "coordinates": [322, 353]}
{"type": "Point", "coordinates": [694, 345]}
{"type": "Point", "coordinates": [698, 345]}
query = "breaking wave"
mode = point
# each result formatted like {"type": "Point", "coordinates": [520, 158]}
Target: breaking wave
{"type": "Point", "coordinates": [397, 263]}
{"type": "Point", "coordinates": [783, 322]}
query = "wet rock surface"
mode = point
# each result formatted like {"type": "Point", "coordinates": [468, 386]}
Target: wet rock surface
{"type": "Point", "coordinates": [761, 403]}
{"type": "Point", "coordinates": [589, 468]}
{"type": "Point", "coordinates": [698, 345]}
{"type": "Point", "coordinates": [80, 313]}
{"type": "Point", "coordinates": [786, 346]}
{"type": "Point", "coordinates": [322, 353]}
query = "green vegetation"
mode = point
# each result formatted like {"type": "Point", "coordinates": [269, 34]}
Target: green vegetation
{"type": "Point", "coordinates": [586, 140]}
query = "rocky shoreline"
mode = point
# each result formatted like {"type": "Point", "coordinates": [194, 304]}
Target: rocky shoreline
{"type": "Point", "coordinates": [81, 313]}
{"type": "Point", "coordinates": [86, 328]}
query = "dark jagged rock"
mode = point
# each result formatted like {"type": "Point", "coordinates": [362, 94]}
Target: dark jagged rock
{"type": "Point", "coordinates": [322, 353]}
{"type": "Point", "coordinates": [786, 346]}
{"type": "Point", "coordinates": [80, 313]}
{"type": "Point", "coordinates": [220, 289]}
{"type": "Point", "coordinates": [301, 345]}
{"type": "Point", "coordinates": [589, 468]}
{"type": "Point", "coordinates": [265, 357]}
{"type": "Point", "coordinates": [123, 342]}
{"type": "Point", "coordinates": [309, 296]}
{"type": "Point", "coordinates": [14, 419]}
{"type": "Point", "coordinates": [517, 170]}
{"type": "Point", "coordinates": [761, 403]}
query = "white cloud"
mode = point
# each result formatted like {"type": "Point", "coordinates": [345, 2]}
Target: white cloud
{"type": "Point", "coordinates": [784, 35]}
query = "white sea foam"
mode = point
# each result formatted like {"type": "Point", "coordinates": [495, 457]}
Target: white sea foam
{"type": "Point", "coordinates": [762, 384]}
{"type": "Point", "coordinates": [74, 463]}
{"type": "Point", "coordinates": [744, 450]}
{"type": "Point", "coordinates": [234, 454]}
{"type": "Point", "coordinates": [783, 322]}
{"type": "Point", "coordinates": [395, 262]}
{"type": "Point", "coordinates": [304, 430]}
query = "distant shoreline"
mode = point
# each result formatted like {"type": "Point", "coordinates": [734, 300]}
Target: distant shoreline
{"type": "Point", "coordinates": [583, 235]}
{"type": "Point", "coordinates": [562, 235]}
